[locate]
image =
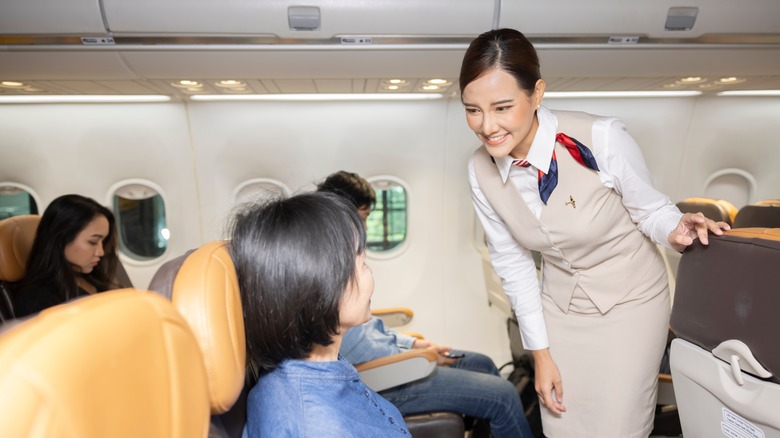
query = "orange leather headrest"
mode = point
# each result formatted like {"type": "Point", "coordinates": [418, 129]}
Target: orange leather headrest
{"type": "Point", "coordinates": [17, 234]}
{"type": "Point", "coordinates": [752, 233]}
{"type": "Point", "coordinates": [206, 293]}
{"type": "Point", "coordinates": [727, 210]}
{"type": "Point", "coordinates": [115, 364]}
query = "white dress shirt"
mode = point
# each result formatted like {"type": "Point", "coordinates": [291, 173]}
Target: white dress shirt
{"type": "Point", "coordinates": [621, 168]}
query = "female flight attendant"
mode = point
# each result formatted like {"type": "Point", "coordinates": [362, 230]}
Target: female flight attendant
{"type": "Point", "coordinates": [574, 187]}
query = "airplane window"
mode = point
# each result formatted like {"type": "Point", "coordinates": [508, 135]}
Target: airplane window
{"type": "Point", "coordinates": [140, 217]}
{"type": "Point", "coordinates": [386, 225]}
{"type": "Point", "coordinates": [16, 200]}
{"type": "Point", "coordinates": [259, 189]}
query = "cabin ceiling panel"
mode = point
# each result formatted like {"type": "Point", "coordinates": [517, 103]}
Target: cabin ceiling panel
{"type": "Point", "coordinates": [333, 64]}
{"type": "Point", "coordinates": [270, 17]}
{"type": "Point", "coordinates": [60, 65]}
{"type": "Point", "coordinates": [650, 62]}
{"type": "Point", "coordinates": [639, 18]}
{"type": "Point", "coordinates": [79, 17]}
{"type": "Point", "coordinates": [333, 85]}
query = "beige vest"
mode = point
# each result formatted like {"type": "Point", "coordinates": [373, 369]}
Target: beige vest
{"type": "Point", "coordinates": [591, 243]}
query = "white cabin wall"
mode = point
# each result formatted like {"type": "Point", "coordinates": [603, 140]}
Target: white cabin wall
{"type": "Point", "coordinates": [198, 153]}
{"type": "Point", "coordinates": [685, 141]}
{"type": "Point", "coordinates": [733, 133]}
{"type": "Point", "coordinates": [437, 273]}
{"type": "Point", "coordinates": [87, 148]}
{"type": "Point", "coordinates": [659, 126]}
{"type": "Point", "coordinates": [471, 323]}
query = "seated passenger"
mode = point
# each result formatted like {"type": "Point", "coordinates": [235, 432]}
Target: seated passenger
{"type": "Point", "coordinates": [74, 254]}
{"type": "Point", "coordinates": [304, 282]}
{"type": "Point", "coordinates": [465, 382]}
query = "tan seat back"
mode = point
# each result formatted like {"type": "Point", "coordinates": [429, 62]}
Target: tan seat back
{"type": "Point", "coordinates": [17, 234]}
{"type": "Point", "coordinates": [206, 293]}
{"type": "Point", "coordinates": [762, 214]}
{"type": "Point", "coordinates": [725, 361]}
{"type": "Point", "coordinates": [122, 363]}
{"type": "Point", "coordinates": [715, 209]}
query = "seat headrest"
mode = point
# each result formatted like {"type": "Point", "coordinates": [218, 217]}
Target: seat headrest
{"type": "Point", "coordinates": [17, 234]}
{"type": "Point", "coordinates": [206, 293]}
{"type": "Point", "coordinates": [121, 363]}
{"type": "Point", "coordinates": [765, 215]}
{"type": "Point", "coordinates": [715, 209]}
{"type": "Point", "coordinates": [162, 281]}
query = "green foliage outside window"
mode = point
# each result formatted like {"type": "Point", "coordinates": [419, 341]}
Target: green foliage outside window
{"type": "Point", "coordinates": [388, 220]}
{"type": "Point", "coordinates": [15, 201]}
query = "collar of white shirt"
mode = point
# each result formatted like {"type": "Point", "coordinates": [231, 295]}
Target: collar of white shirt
{"type": "Point", "coordinates": [541, 150]}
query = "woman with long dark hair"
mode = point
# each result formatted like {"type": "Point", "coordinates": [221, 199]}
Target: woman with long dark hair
{"type": "Point", "coordinates": [74, 254]}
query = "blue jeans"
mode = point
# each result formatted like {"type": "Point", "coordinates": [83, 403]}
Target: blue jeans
{"type": "Point", "coordinates": [472, 387]}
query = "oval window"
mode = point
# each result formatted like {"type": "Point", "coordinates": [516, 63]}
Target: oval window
{"type": "Point", "coordinates": [387, 224]}
{"type": "Point", "coordinates": [258, 190]}
{"type": "Point", "coordinates": [140, 219]}
{"type": "Point", "coordinates": [16, 200]}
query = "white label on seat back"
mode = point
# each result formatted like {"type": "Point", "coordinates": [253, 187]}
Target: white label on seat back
{"type": "Point", "coordinates": [734, 426]}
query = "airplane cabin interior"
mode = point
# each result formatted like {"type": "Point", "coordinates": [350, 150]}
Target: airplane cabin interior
{"type": "Point", "coordinates": [174, 114]}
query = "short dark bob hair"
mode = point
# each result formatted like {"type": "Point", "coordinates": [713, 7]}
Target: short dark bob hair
{"type": "Point", "coordinates": [294, 259]}
{"type": "Point", "coordinates": [503, 49]}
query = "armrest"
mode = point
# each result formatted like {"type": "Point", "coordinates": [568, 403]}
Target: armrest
{"type": "Point", "coordinates": [417, 335]}
{"type": "Point", "coordinates": [394, 316]}
{"type": "Point", "coordinates": [390, 371]}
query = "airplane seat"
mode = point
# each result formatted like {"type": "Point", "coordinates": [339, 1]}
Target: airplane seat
{"type": "Point", "coordinates": [187, 279]}
{"type": "Point", "coordinates": [203, 286]}
{"type": "Point", "coordinates": [394, 316]}
{"type": "Point", "coordinates": [162, 281]}
{"type": "Point", "coordinates": [17, 234]}
{"type": "Point", "coordinates": [764, 214]}
{"type": "Point", "coordinates": [122, 363]}
{"type": "Point", "coordinates": [715, 209]}
{"type": "Point", "coordinates": [725, 361]}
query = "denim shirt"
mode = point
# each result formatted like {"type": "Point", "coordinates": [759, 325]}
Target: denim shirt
{"type": "Point", "coordinates": [372, 340]}
{"type": "Point", "coordinates": [319, 399]}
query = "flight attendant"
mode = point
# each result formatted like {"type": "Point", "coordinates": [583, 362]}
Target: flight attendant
{"type": "Point", "coordinates": [574, 187]}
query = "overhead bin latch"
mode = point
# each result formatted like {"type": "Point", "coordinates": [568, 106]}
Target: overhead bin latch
{"type": "Point", "coordinates": [681, 18]}
{"type": "Point", "coordinates": [303, 17]}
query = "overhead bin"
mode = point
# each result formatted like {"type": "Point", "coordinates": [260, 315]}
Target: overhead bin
{"type": "Point", "coordinates": [58, 17]}
{"type": "Point", "coordinates": [272, 17]}
{"type": "Point", "coordinates": [639, 18]}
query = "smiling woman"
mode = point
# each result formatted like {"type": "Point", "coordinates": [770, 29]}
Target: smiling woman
{"type": "Point", "coordinates": [74, 254]}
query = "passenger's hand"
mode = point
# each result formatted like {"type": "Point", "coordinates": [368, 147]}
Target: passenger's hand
{"type": "Point", "coordinates": [547, 382]}
{"type": "Point", "coordinates": [691, 226]}
{"type": "Point", "coordinates": [442, 352]}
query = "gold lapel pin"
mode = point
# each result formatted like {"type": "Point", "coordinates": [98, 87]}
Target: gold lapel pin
{"type": "Point", "coordinates": [571, 201]}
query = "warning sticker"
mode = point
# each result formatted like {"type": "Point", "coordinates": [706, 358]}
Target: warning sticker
{"type": "Point", "coordinates": [734, 426]}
